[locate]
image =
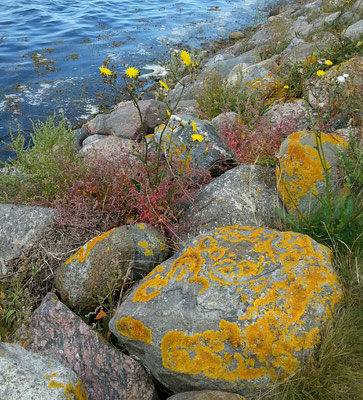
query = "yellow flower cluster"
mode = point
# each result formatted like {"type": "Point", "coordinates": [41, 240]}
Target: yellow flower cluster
{"type": "Point", "coordinates": [105, 71]}
{"type": "Point", "coordinates": [185, 56]}
{"type": "Point", "coordinates": [132, 73]}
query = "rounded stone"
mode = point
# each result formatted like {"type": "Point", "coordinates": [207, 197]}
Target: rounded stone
{"type": "Point", "coordinates": [236, 309]}
{"type": "Point", "coordinates": [300, 174]}
{"type": "Point", "coordinates": [105, 261]}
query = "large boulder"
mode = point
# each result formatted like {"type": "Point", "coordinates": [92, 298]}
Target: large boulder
{"type": "Point", "coordinates": [247, 75]}
{"type": "Point", "coordinates": [234, 310]}
{"type": "Point", "coordinates": [28, 376]}
{"type": "Point", "coordinates": [179, 146]}
{"type": "Point", "coordinates": [107, 374]}
{"type": "Point", "coordinates": [107, 148]}
{"type": "Point", "coordinates": [124, 120]}
{"type": "Point", "coordinates": [296, 51]}
{"type": "Point", "coordinates": [111, 257]}
{"type": "Point", "coordinates": [300, 174]}
{"type": "Point", "coordinates": [245, 195]}
{"type": "Point", "coordinates": [21, 227]}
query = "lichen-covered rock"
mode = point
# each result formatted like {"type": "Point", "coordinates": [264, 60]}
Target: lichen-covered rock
{"type": "Point", "coordinates": [107, 374]}
{"type": "Point", "coordinates": [296, 51]}
{"type": "Point", "coordinates": [232, 311]}
{"type": "Point", "coordinates": [28, 376]}
{"type": "Point", "coordinates": [21, 227]}
{"type": "Point", "coordinates": [87, 275]}
{"type": "Point", "coordinates": [247, 75]}
{"type": "Point", "coordinates": [124, 120]}
{"type": "Point", "coordinates": [300, 174]}
{"type": "Point", "coordinates": [245, 195]}
{"type": "Point", "coordinates": [207, 395]}
{"type": "Point", "coordinates": [179, 146]}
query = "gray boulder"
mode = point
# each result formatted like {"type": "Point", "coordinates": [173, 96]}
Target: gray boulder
{"type": "Point", "coordinates": [234, 310]}
{"type": "Point", "coordinates": [221, 121]}
{"type": "Point", "coordinates": [93, 139]}
{"type": "Point", "coordinates": [28, 376]}
{"type": "Point", "coordinates": [107, 374]}
{"type": "Point", "coordinates": [179, 147]}
{"type": "Point", "coordinates": [300, 27]}
{"type": "Point", "coordinates": [287, 117]}
{"type": "Point", "coordinates": [353, 32]}
{"type": "Point", "coordinates": [108, 148]}
{"type": "Point", "coordinates": [124, 120]}
{"type": "Point", "coordinates": [224, 65]}
{"type": "Point", "coordinates": [108, 259]}
{"type": "Point", "coordinates": [245, 195]}
{"type": "Point", "coordinates": [296, 51]}
{"type": "Point", "coordinates": [21, 227]}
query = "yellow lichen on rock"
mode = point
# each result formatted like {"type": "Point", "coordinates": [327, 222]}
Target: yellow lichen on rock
{"type": "Point", "coordinates": [84, 251]}
{"type": "Point", "coordinates": [204, 353]}
{"type": "Point", "coordinates": [78, 392]}
{"type": "Point", "coordinates": [300, 169]}
{"type": "Point", "coordinates": [271, 331]}
{"type": "Point", "coordinates": [145, 245]}
{"type": "Point", "coordinates": [134, 329]}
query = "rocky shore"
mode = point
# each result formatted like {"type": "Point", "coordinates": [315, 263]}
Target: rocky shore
{"type": "Point", "coordinates": [234, 303]}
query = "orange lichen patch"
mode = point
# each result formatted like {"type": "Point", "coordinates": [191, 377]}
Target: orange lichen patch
{"type": "Point", "coordinates": [145, 245]}
{"type": "Point", "coordinates": [84, 251]}
{"type": "Point", "coordinates": [134, 329]}
{"type": "Point", "coordinates": [51, 375]}
{"type": "Point", "coordinates": [78, 392]}
{"type": "Point", "coordinates": [188, 264]}
{"type": "Point", "coordinates": [204, 353]}
{"type": "Point", "coordinates": [298, 173]}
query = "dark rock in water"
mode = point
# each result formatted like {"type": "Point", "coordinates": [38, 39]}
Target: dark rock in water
{"type": "Point", "coordinates": [236, 35]}
{"type": "Point", "coordinates": [79, 137]}
{"type": "Point", "coordinates": [54, 331]}
{"type": "Point", "coordinates": [124, 120]}
{"type": "Point", "coordinates": [21, 227]}
{"type": "Point", "coordinates": [29, 376]}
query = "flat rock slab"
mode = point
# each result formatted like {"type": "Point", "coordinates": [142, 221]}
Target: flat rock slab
{"type": "Point", "coordinates": [245, 195]}
{"type": "Point", "coordinates": [237, 308]}
{"type": "Point", "coordinates": [54, 331]}
{"type": "Point", "coordinates": [21, 227]}
{"type": "Point", "coordinates": [353, 32]}
{"type": "Point", "coordinates": [28, 376]}
{"type": "Point", "coordinates": [207, 395]}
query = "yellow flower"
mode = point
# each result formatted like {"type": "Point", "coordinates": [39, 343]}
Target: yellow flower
{"type": "Point", "coordinates": [185, 56]}
{"type": "Point", "coordinates": [132, 72]}
{"type": "Point", "coordinates": [168, 112]}
{"type": "Point", "coordinates": [320, 73]}
{"type": "Point", "coordinates": [197, 137]}
{"type": "Point", "coordinates": [359, 44]}
{"type": "Point", "coordinates": [328, 63]}
{"type": "Point", "coordinates": [286, 86]}
{"type": "Point", "coordinates": [105, 71]}
{"type": "Point", "coordinates": [194, 126]}
{"type": "Point", "coordinates": [164, 85]}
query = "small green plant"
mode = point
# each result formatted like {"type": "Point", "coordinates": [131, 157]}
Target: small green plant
{"type": "Point", "coordinates": [42, 165]}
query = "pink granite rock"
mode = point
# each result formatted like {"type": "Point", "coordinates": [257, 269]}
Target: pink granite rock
{"type": "Point", "coordinates": [106, 373]}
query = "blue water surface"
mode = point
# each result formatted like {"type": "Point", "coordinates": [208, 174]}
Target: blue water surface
{"type": "Point", "coordinates": [50, 50]}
